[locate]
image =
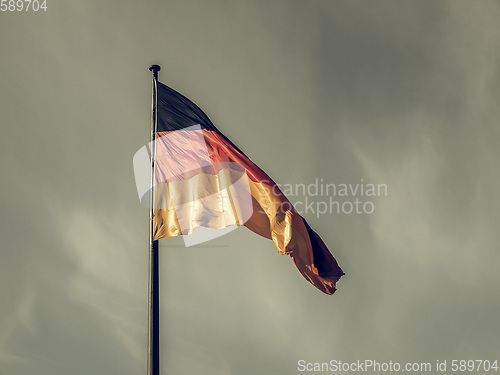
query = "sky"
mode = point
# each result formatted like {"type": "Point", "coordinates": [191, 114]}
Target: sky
{"type": "Point", "coordinates": [398, 93]}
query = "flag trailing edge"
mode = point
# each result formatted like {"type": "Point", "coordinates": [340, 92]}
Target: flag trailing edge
{"type": "Point", "coordinates": [203, 180]}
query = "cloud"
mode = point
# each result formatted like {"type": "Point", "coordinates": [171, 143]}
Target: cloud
{"type": "Point", "coordinates": [403, 94]}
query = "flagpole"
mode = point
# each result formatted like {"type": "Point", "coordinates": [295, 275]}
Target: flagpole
{"type": "Point", "coordinates": [154, 266]}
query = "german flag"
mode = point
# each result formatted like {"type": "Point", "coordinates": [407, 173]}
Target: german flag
{"type": "Point", "coordinates": [203, 180]}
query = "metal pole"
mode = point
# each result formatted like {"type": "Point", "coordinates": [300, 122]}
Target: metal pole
{"type": "Point", "coordinates": [154, 266]}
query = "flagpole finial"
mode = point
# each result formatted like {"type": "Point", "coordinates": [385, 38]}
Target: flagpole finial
{"type": "Point", "coordinates": [155, 68]}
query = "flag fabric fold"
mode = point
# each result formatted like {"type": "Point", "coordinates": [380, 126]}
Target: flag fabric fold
{"type": "Point", "coordinates": [203, 180]}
